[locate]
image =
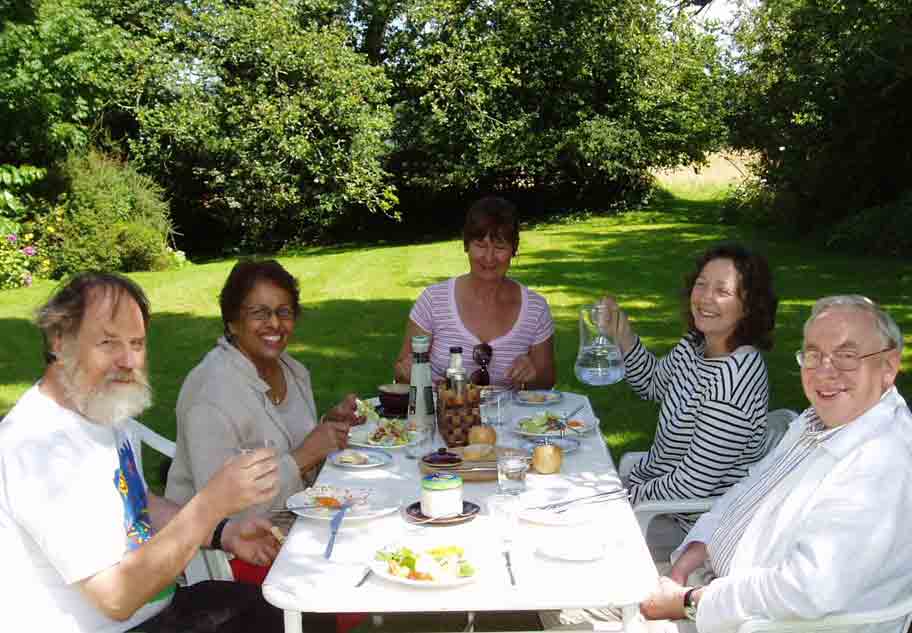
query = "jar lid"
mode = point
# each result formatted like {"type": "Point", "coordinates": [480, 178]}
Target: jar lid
{"type": "Point", "coordinates": [421, 343]}
{"type": "Point", "coordinates": [441, 481]}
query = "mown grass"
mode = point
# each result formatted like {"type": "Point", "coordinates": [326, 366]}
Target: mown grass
{"type": "Point", "coordinates": [356, 300]}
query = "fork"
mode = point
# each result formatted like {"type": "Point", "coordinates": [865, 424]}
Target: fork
{"type": "Point", "coordinates": [567, 502]}
{"type": "Point", "coordinates": [621, 494]}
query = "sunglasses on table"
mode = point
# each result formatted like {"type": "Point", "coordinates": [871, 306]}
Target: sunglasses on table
{"type": "Point", "coordinates": [481, 354]}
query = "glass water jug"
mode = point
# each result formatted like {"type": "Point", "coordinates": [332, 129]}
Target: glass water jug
{"type": "Point", "coordinates": [599, 361]}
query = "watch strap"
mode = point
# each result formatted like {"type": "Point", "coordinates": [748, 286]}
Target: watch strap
{"type": "Point", "coordinates": [217, 534]}
{"type": "Point", "coordinates": [690, 609]}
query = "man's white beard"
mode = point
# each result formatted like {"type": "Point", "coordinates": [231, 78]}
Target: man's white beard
{"type": "Point", "coordinates": [111, 403]}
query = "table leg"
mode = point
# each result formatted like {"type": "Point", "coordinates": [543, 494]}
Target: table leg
{"type": "Point", "coordinates": [293, 622]}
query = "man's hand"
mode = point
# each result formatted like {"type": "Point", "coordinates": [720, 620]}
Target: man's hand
{"type": "Point", "coordinates": [346, 411]}
{"type": "Point", "coordinates": [245, 480]}
{"type": "Point", "coordinates": [251, 539]}
{"type": "Point", "coordinates": [666, 602]}
{"type": "Point", "coordinates": [522, 371]}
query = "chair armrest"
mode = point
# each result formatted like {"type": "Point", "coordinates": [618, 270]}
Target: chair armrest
{"type": "Point", "coordinates": [627, 462]}
{"type": "Point", "coordinates": [158, 442]}
{"type": "Point", "coordinates": [646, 511]}
{"type": "Point", "coordinates": [893, 612]}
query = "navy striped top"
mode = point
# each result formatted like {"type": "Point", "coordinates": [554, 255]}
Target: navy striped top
{"type": "Point", "coordinates": [712, 419]}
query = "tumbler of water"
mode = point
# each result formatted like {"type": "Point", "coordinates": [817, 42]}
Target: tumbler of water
{"type": "Point", "coordinates": [599, 361]}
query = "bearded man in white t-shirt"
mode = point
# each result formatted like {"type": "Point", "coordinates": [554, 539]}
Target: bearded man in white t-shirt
{"type": "Point", "coordinates": [84, 545]}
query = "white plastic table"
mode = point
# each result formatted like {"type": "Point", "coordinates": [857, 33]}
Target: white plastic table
{"type": "Point", "coordinates": [302, 580]}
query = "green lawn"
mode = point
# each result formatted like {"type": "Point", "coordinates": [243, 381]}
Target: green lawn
{"type": "Point", "coordinates": [356, 300]}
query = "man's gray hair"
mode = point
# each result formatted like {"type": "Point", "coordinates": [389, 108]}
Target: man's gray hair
{"type": "Point", "coordinates": [63, 312]}
{"type": "Point", "coordinates": [890, 334]}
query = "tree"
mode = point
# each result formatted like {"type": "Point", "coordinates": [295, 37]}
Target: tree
{"type": "Point", "coordinates": [821, 92]}
{"type": "Point", "coordinates": [577, 96]}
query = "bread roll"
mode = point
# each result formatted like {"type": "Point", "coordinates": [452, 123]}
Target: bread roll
{"type": "Point", "coordinates": [479, 452]}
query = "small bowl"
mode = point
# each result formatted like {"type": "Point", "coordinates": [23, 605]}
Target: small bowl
{"type": "Point", "coordinates": [395, 398]}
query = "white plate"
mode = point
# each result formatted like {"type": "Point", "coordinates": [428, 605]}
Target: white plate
{"type": "Point", "coordinates": [360, 436]}
{"type": "Point", "coordinates": [577, 550]}
{"type": "Point", "coordinates": [538, 397]}
{"type": "Point", "coordinates": [375, 456]}
{"type": "Point", "coordinates": [580, 430]}
{"type": "Point", "coordinates": [573, 516]}
{"type": "Point", "coordinates": [368, 503]}
{"type": "Point", "coordinates": [381, 568]}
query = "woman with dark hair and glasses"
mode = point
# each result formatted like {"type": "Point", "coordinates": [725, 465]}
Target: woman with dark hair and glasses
{"type": "Point", "coordinates": [505, 330]}
{"type": "Point", "coordinates": [248, 389]}
{"type": "Point", "coordinates": [712, 387]}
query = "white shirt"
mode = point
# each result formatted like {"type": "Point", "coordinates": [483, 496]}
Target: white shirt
{"type": "Point", "coordinates": [64, 482]}
{"type": "Point", "coordinates": [833, 538]}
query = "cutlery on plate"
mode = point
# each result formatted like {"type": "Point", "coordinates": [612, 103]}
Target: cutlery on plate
{"type": "Point", "coordinates": [568, 502]}
{"type": "Point", "coordinates": [367, 574]}
{"type": "Point", "coordinates": [509, 567]}
{"type": "Point", "coordinates": [566, 417]}
{"type": "Point", "coordinates": [334, 524]}
{"type": "Point", "coordinates": [619, 495]}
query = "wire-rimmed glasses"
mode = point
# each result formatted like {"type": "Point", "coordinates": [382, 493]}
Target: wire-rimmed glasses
{"type": "Point", "coordinates": [842, 360]}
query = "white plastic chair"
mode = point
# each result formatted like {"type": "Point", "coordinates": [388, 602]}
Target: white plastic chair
{"type": "Point", "coordinates": [207, 564]}
{"type": "Point", "coordinates": [777, 423]}
{"type": "Point", "coordinates": [834, 623]}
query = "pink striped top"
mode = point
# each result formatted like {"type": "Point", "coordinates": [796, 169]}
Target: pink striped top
{"type": "Point", "coordinates": [435, 311]}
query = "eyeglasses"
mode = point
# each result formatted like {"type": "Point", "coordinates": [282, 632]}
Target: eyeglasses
{"type": "Point", "coordinates": [843, 361]}
{"type": "Point", "coordinates": [482, 354]}
{"type": "Point", "coordinates": [264, 313]}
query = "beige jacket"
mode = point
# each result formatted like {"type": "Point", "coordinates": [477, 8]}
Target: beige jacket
{"type": "Point", "coordinates": [223, 403]}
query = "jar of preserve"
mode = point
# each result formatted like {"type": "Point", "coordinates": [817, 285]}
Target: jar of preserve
{"type": "Point", "coordinates": [441, 495]}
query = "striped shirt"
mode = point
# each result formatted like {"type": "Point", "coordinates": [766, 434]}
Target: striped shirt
{"type": "Point", "coordinates": [712, 419]}
{"type": "Point", "coordinates": [738, 515]}
{"type": "Point", "coordinates": [436, 312]}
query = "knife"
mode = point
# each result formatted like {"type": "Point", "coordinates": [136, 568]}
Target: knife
{"type": "Point", "coordinates": [334, 527]}
{"type": "Point", "coordinates": [509, 567]}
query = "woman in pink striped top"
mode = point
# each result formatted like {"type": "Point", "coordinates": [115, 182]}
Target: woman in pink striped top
{"type": "Point", "coordinates": [486, 307]}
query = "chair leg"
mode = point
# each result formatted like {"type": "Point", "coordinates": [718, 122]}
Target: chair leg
{"type": "Point", "coordinates": [377, 621]}
{"type": "Point", "coordinates": [293, 622]}
{"type": "Point", "coordinates": [470, 622]}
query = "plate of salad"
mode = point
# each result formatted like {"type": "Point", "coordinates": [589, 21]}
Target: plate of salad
{"type": "Point", "coordinates": [427, 567]}
{"type": "Point", "coordinates": [383, 433]}
{"type": "Point", "coordinates": [550, 424]}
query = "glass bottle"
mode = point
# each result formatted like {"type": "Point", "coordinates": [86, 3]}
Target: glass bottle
{"type": "Point", "coordinates": [421, 412]}
{"type": "Point", "coordinates": [455, 365]}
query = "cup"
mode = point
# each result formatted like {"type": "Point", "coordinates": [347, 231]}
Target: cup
{"type": "Point", "coordinates": [511, 473]}
{"type": "Point", "coordinates": [492, 402]}
{"type": "Point", "coordinates": [504, 512]}
{"type": "Point", "coordinates": [249, 446]}
{"type": "Point", "coordinates": [422, 441]}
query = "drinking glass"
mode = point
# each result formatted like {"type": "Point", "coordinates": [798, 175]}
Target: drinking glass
{"type": "Point", "coordinates": [422, 441]}
{"type": "Point", "coordinates": [511, 473]}
{"type": "Point", "coordinates": [504, 511]}
{"type": "Point", "coordinates": [245, 448]}
{"type": "Point", "coordinates": [491, 405]}
{"type": "Point", "coordinates": [599, 361]}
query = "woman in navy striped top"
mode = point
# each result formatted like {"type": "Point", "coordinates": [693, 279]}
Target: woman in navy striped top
{"type": "Point", "coordinates": [495, 320]}
{"type": "Point", "coordinates": [712, 387]}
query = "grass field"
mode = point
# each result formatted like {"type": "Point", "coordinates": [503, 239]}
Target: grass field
{"type": "Point", "coordinates": [356, 300]}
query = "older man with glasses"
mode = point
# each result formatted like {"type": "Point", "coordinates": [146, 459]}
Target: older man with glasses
{"type": "Point", "coordinates": [820, 526]}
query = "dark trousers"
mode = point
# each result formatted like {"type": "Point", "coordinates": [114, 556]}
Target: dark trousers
{"type": "Point", "coordinates": [226, 607]}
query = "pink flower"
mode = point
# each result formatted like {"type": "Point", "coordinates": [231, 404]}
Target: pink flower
{"type": "Point", "coordinates": [29, 251]}
{"type": "Point", "coordinates": [11, 238]}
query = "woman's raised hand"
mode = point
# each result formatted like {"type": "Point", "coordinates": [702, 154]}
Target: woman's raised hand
{"type": "Point", "coordinates": [614, 323]}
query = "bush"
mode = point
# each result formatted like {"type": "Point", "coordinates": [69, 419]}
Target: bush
{"type": "Point", "coordinates": [886, 229]}
{"type": "Point", "coordinates": [18, 261]}
{"type": "Point", "coordinates": [110, 218]}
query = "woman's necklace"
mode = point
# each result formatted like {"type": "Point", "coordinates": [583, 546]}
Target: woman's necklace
{"type": "Point", "coordinates": [278, 388]}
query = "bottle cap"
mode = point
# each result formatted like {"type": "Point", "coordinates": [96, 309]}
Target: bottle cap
{"type": "Point", "coordinates": [421, 343]}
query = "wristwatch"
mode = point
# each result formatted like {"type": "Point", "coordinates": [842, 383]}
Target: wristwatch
{"type": "Point", "coordinates": [690, 609]}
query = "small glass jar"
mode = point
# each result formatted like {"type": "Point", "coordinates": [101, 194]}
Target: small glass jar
{"type": "Point", "coordinates": [441, 495]}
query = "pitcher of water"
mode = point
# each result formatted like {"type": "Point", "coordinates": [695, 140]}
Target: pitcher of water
{"type": "Point", "coordinates": [599, 361]}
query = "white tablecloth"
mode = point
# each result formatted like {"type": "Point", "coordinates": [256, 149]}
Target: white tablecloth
{"type": "Point", "coordinates": [302, 580]}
